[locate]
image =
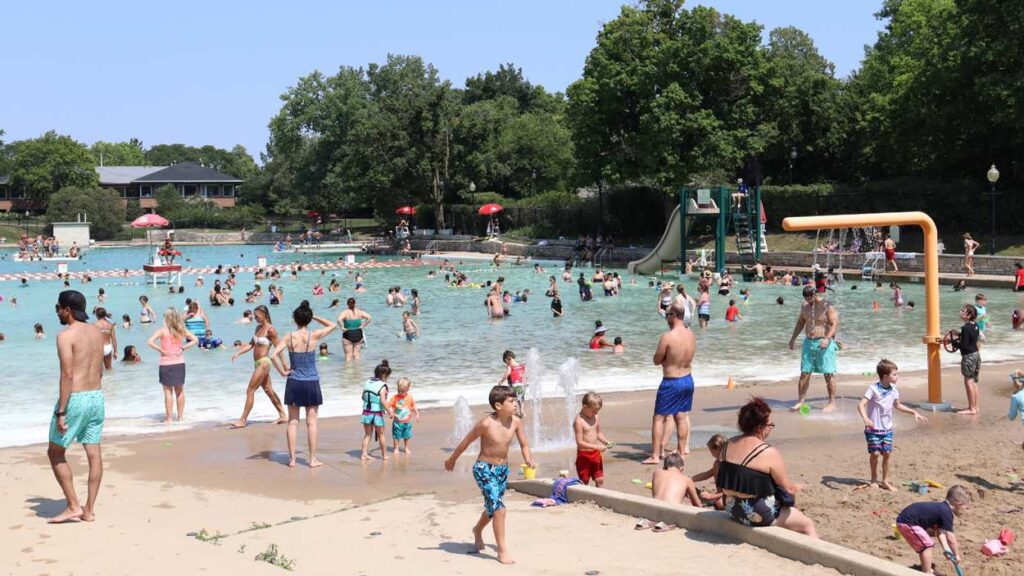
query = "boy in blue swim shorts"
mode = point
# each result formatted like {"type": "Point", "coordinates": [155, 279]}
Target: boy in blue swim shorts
{"type": "Point", "coordinates": [876, 410]}
{"type": "Point", "coordinates": [402, 408]}
{"type": "Point", "coordinates": [490, 471]}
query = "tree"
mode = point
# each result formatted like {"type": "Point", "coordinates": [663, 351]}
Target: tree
{"type": "Point", "coordinates": [102, 206]}
{"type": "Point", "coordinates": [168, 199]}
{"type": "Point", "coordinates": [118, 153]}
{"type": "Point", "coordinates": [42, 166]}
{"type": "Point", "coordinates": [509, 81]}
{"type": "Point", "coordinates": [237, 162]}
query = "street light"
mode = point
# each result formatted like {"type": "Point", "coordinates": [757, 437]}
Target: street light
{"type": "Point", "coordinates": [25, 222]}
{"type": "Point", "coordinates": [792, 158]}
{"type": "Point", "coordinates": [993, 177]}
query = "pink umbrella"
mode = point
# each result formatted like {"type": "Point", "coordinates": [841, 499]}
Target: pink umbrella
{"type": "Point", "coordinates": [489, 209]}
{"type": "Point", "coordinates": [150, 221]}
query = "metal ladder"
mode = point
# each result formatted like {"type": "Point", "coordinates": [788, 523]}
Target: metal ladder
{"type": "Point", "coordinates": [744, 242]}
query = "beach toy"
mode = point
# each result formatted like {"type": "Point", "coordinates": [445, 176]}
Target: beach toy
{"type": "Point", "coordinates": [805, 410]}
{"type": "Point", "coordinates": [637, 481]}
{"type": "Point", "coordinates": [953, 560]}
{"type": "Point", "coordinates": [649, 486]}
{"type": "Point", "coordinates": [563, 473]}
{"type": "Point", "coordinates": [896, 532]}
{"type": "Point", "coordinates": [730, 384]}
{"type": "Point", "coordinates": [992, 548]}
{"type": "Point", "coordinates": [1006, 536]}
{"type": "Point", "coordinates": [528, 473]}
{"type": "Point", "coordinates": [933, 483]}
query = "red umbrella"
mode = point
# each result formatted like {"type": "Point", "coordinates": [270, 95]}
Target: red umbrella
{"type": "Point", "coordinates": [489, 209]}
{"type": "Point", "coordinates": [150, 221]}
{"type": "Point", "coordinates": [406, 210]}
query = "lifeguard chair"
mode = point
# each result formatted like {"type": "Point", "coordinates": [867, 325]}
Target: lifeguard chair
{"type": "Point", "coordinates": [160, 271]}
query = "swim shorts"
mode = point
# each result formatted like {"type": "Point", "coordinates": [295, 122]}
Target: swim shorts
{"type": "Point", "coordinates": [756, 512]}
{"type": "Point", "coordinates": [814, 360]}
{"type": "Point", "coordinates": [675, 395]}
{"type": "Point", "coordinates": [84, 419]}
{"type": "Point", "coordinates": [704, 317]}
{"type": "Point", "coordinates": [879, 441]}
{"type": "Point", "coordinates": [589, 464]}
{"type": "Point", "coordinates": [916, 536]}
{"type": "Point", "coordinates": [890, 254]}
{"type": "Point", "coordinates": [970, 365]}
{"type": "Point", "coordinates": [492, 479]}
{"type": "Point", "coordinates": [401, 430]}
{"type": "Point", "coordinates": [374, 418]}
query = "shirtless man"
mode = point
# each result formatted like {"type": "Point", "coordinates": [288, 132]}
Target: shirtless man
{"type": "Point", "coordinates": [79, 412]}
{"type": "Point", "coordinates": [819, 321]}
{"type": "Point", "coordinates": [671, 485]}
{"type": "Point", "coordinates": [106, 328]}
{"type": "Point", "coordinates": [675, 394]}
{"type": "Point", "coordinates": [889, 247]}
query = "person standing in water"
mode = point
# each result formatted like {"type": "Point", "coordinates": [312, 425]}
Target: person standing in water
{"type": "Point", "coordinates": [174, 340]}
{"type": "Point", "coordinates": [674, 354]}
{"type": "Point", "coordinates": [79, 412]}
{"type": "Point", "coordinates": [302, 389]}
{"type": "Point", "coordinates": [819, 321]}
{"type": "Point", "coordinates": [353, 321]}
{"type": "Point", "coordinates": [107, 330]}
{"type": "Point", "coordinates": [262, 344]}
{"type": "Point", "coordinates": [146, 314]}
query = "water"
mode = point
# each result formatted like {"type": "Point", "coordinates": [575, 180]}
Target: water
{"type": "Point", "coordinates": [459, 353]}
{"type": "Point", "coordinates": [462, 423]}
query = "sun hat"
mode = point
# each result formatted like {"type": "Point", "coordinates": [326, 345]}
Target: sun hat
{"type": "Point", "coordinates": [600, 329]}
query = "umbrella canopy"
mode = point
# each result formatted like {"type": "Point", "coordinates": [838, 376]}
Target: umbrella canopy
{"type": "Point", "coordinates": [406, 210]}
{"type": "Point", "coordinates": [489, 209]}
{"type": "Point", "coordinates": [150, 221]}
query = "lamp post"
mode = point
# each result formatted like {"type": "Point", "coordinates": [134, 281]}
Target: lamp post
{"type": "Point", "coordinates": [792, 158]}
{"type": "Point", "coordinates": [993, 177]}
{"type": "Point", "coordinates": [472, 193]}
{"type": "Point", "coordinates": [25, 222]}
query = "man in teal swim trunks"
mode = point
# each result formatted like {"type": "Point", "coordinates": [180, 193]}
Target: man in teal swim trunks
{"type": "Point", "coordinates": [79, 412]}
{"type": "Point", "coordinates": [819, 321]}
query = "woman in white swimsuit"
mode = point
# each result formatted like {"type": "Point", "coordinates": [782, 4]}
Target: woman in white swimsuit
{"type": "Point", "coordinates": [970, 245]}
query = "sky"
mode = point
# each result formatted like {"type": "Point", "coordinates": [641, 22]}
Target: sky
{"type": "Point", "coordinates": [212, 72]}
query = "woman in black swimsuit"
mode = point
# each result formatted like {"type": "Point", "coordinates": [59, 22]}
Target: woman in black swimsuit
{"type": "Point", "coordinates": [753, 476]}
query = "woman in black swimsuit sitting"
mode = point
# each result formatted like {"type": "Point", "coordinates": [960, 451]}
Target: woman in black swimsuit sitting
{"type": "Point", "coordinates": [753, 476]}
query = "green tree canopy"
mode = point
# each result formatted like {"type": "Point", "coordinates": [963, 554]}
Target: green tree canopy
{"type": "Point", "coordinates": [118, 153]}
{"type": "Point", "coordinates": [103, 207]}
{"type": "Point", "coordinates": [42, 166]}
{"type": "Point", "coordinates": [236, 162]}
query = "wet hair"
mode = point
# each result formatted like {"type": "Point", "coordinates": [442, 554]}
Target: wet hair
{"type": "Point", "coordinates": [415, 293]}
{"type": "Point", "coordinates": [808, 291]}
{"type": "Point", "coordinates": [732, 302]}
{"type": "Point", "coordinates": [753, 415]}
{"type": "Point", "coordinates": [404, 383]}
{"type": "Point", "coordinates": [780, 301]}
{"type": "Point", "coordinates": [979, 296]}
{"type": "Point", "coordinates": [593, 400]}
{"type": "Point", "coordinates": [717, 441]}
{"type": "Point", "coordinates": [673, 460]}
{"type": "Point", "coordinates": [39, 328]}
{"type": "Point", "coordinates": [303, 315]}
{"type": "Point", "coordinates": [885, 368]}
{"type": "Point", "coordinates": [971, 311]}
{"type": "Point", "coordinates": [507, 355]}
{"type": "Point", "coordinates": [382, 371]}
{"type": "Point", "coordinates": [126, 318]}
{"type": "Point", "coordinates": [129, 352]}
{"type": "Point", "coordinates": [618, 340]}
{"type": "Point", "coordinates": [351, 303]}
{"type": "Point", "coordinates": [100, 312]}
{"type": "Point", "coordinates": [499, 394]}
{"type": "Point", "coordinates": [957, 494]}
{"type": "Point", "coordinates": [266, 312]}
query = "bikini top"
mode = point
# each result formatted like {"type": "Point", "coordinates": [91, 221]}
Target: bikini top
{"type": "Point", "coordinates": [258, 340]}
{"type": "Point", "coordinates": [740, 478]}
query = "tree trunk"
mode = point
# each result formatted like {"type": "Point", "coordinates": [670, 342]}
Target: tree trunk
{"type": "Point", "coordinates": [437, 191]}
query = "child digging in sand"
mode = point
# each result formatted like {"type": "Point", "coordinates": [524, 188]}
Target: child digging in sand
{"type": "Point", "coordinates": [876, 410]}
{"type": "Point", "coordinates": [590, 441]}
{"type": "Point", "coordinates": [490, 471]}
{"type": "Point", "coordinates": [403, 408]}
{"type": "Point", "coordinates": [717, 498]}
{"type": "Point", "coordinates": [921, 520]}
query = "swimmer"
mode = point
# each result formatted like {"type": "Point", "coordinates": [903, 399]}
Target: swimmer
{"type": "Point", "coordinates": [126, 321]}
{"type": "Point", "coordinates": [409, 327]}
{"type": "Point", "coordinates": [147, 314]}
{"type": "Point", "coordinates": [597, 341]}
{"type": "Point", "coordinates": [619, 347]}
{"type": "Point", "coordinates": [324, 353]}
{"type": "Point", "coordinates": [780, 301]}
{"type": "Point", "coordinates": [40, 334]}
{"type": "Point", "coordinates": [131, 355]}
{"type": "Point", "coordinates": [106, 328]}
{"type": "Point", "coordinates": [414, 307]}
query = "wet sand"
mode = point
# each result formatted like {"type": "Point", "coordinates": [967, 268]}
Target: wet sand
{"type": "Point", "coordinates": [158, 489]}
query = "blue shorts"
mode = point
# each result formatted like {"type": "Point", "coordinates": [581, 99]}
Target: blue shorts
{"type": "Point", "coordinates": [879, 441]}
{"type": "Point", "coordinates": [675, 395]}
{"type": "Point", "coordinates": [401, 430]}
{"type": "Point", "coordinates": [84, 419]}
{"type": "Point", "coordinates": [814, 360]}
{"type": "Point", "coordinates": [373, 418]}
{"type": "Point", "coordinates": [492, 479]}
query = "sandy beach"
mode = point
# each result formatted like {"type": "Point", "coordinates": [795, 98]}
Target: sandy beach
{"type": "Point", "coordinates": [232, 488]}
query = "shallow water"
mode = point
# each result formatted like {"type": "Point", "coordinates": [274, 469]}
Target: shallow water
{"type": "Point", "coordinates": [460, 351]}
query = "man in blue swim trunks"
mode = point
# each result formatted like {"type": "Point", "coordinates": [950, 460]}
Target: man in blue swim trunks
{"type": "Point", "coordinates": [675, 394]}
{"type": "Point", "coordinates": [79, 412]}
{"type": "Point", "coordinates": [819, 321]}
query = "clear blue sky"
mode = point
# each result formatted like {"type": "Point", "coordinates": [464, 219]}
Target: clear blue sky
{"type": "Point", "coordinates": [211, 72]}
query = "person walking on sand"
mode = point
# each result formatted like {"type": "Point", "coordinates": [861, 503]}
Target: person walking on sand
{"type": "Point", "coordinates": [819, 321]}
{"type": "Point", "coordinates": [302, 389]}
{"type": "Point", "coordinates": [970, 245]}
{"type": "Point", "coordinates": [674, 354]}
{"type": "Point", "coordinates": [79, 412]}
{"type": "Point", "coordinates": [174, 340]}
{"type": "Point", "coordinates": [262, 344]}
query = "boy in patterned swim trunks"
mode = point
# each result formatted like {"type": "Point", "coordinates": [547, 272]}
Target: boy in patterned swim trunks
{"type": "Point", "coordinates": [876, 410]}
{"type": "Point", "coordinates": [490, 471]}
{"type": "Point", "coordinates": [403, 407]}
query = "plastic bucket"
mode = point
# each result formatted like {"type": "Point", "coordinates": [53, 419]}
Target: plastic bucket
{"type": "Point", "coordinates": [528, 473]}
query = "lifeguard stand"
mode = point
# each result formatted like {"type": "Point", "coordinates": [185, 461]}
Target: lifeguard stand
{"type": "Point", "coordinates": [718, 202]}
{"type": "Point", "coordinates": [160, 271]}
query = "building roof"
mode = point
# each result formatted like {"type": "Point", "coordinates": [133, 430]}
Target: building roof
{"type": "Point", "coordinates": [124, 174]}
{"type": "Point", "coordinates": [187, 172]}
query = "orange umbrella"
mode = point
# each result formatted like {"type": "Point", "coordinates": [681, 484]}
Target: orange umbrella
{"type": "Point", "coordinates": [489, 209]}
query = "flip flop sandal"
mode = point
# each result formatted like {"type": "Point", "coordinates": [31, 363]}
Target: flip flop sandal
{"type": "Point", "coordinates": [643, 524]}
{"type": "Point", "coordinates": [662, 527]}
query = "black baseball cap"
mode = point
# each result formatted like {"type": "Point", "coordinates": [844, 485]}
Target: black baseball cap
{"type": "Point", "coordinates": [74, 300]}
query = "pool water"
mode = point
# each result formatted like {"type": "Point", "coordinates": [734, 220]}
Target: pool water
{"type": "Point", "coordinates": [459, 353]}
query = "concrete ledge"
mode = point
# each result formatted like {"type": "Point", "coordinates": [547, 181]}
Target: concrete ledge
{"type": "Point", "coordinates": [778, 541]}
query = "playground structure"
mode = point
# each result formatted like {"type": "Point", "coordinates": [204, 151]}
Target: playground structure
{"type": "Point", "coordinates": [933, 336]}
{"type": "Point", "coordinates": [742, 211]}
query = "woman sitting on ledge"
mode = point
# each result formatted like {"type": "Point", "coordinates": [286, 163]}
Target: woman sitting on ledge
{"type": "Point", "coordinates": [753, 476]}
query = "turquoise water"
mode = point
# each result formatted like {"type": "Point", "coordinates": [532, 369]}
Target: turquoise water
{"type": "Point", "coordinates": [459, 353]}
